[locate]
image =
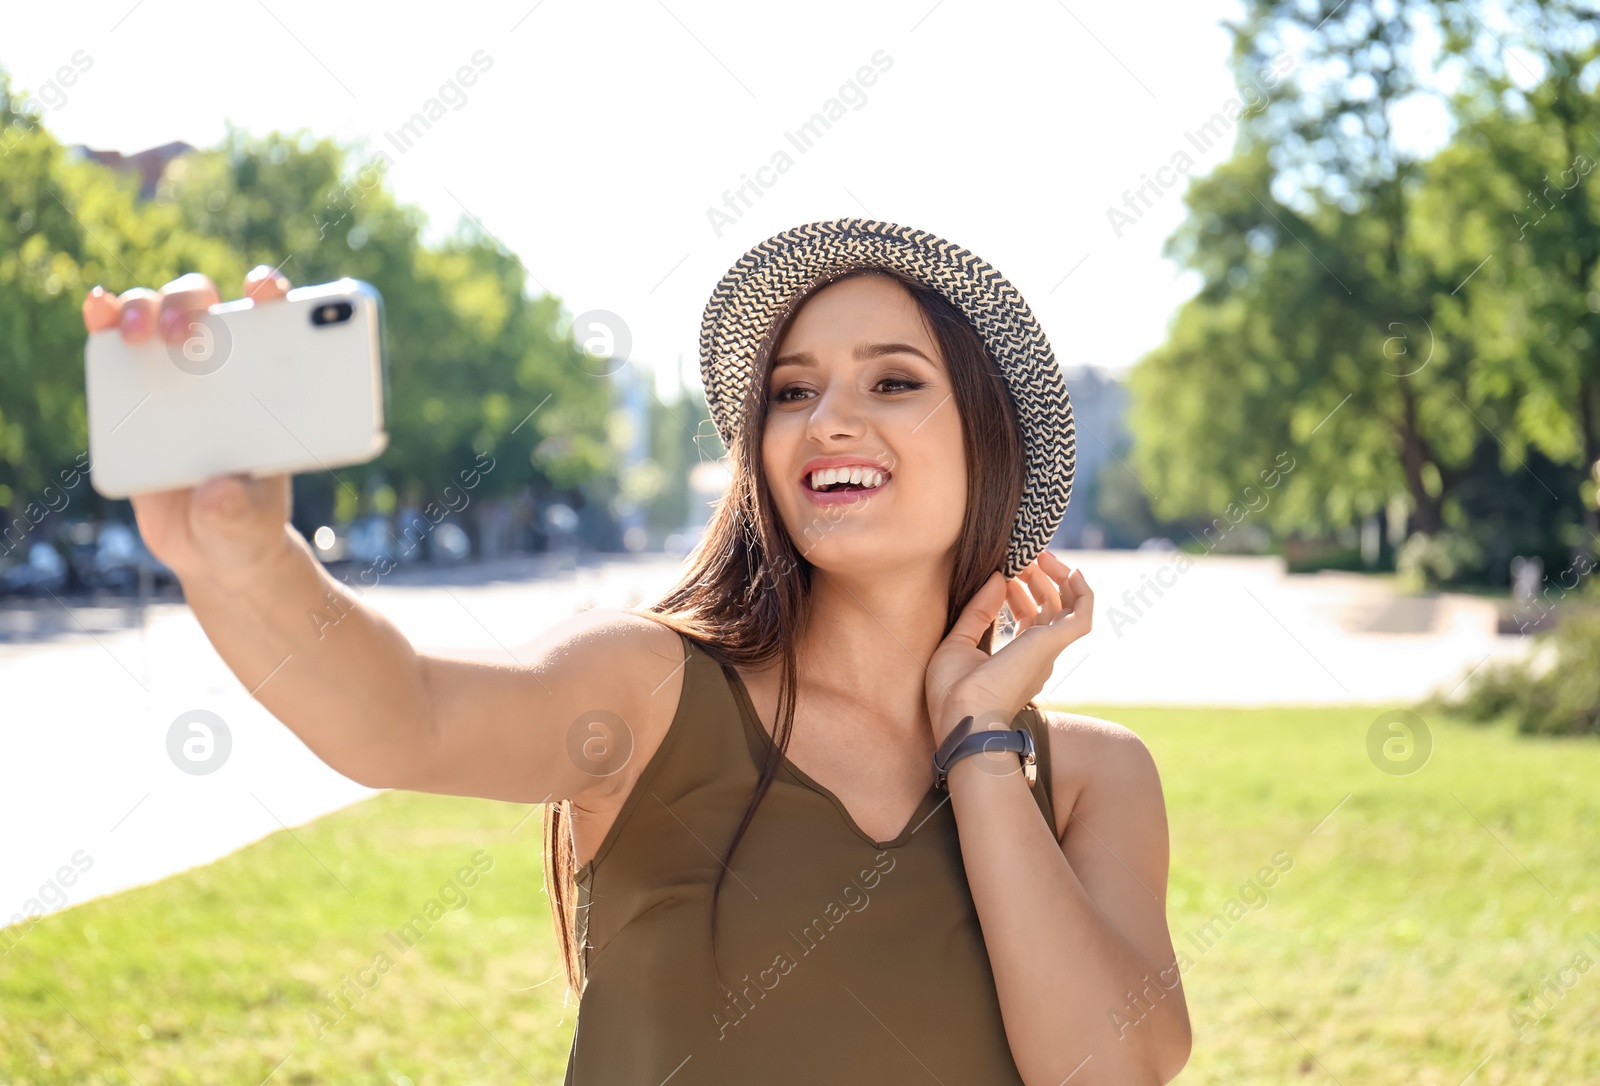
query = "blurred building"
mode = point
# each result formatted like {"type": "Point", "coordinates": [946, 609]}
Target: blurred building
{"type": "Point", "coordinates": [632, 431]}
{"type": "Point", "coordinates": [1099, 410]}
{"type": "Point", "coordinates": [148, 165]}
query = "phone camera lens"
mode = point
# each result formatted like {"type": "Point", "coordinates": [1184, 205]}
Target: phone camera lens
{"type": "Point", "coordinates": [332, 313]}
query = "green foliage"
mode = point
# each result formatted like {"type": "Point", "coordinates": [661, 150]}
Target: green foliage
{"type": "Point", "coordinates": [1514, 195]}
{"type": "Point", "coordinates": [1494, 692]}
{"type": "Point", "coordinates": [1555, 692]}
{"type": "Point", "coordinates": [1430, 561]}
{"type": "Point", "coordinates": [677, 454]}
{"type": "Point", "coordinates": [472, 357]}
{"type": "Point", "coordinates": [1524, 510]}
{"type": "Point", "coordinates": [1421, 328]}
{"type": "Point", "coordinates": [1301, 339]}
{"type": "Point", "coordinates": [65, 225]}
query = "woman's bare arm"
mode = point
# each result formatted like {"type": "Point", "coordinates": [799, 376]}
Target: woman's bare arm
{"type": "Point", "coordinates": [342, 677]}
{"type": "Point", "coordinates": [350, 686]}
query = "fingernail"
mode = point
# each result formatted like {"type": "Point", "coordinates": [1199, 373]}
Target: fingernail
{"type": "Point", "coordinates": [134, 320]}
{"type": "Point", "coordinates": [169, 321]}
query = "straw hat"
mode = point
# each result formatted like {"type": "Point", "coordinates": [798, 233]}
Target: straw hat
{"type": "Point", "coordinates": [756, 289]}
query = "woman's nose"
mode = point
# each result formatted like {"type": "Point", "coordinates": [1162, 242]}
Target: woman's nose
{"type": "Point", "coordinates": [836, 413]}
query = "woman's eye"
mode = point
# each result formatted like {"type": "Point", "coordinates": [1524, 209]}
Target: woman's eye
{"type": "Point", "coordinates": [782, 395]}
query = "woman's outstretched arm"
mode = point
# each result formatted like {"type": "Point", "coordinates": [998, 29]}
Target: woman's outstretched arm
{"type": "Point", "coordinates": [341, 675]}
{"type": "Point", "coordinates": [559, 724]}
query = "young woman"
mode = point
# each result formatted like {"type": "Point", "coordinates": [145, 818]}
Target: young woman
{"type": "Point", "coordinates": [804, 824]}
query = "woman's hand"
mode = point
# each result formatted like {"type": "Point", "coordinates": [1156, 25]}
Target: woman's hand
{"type": "Point", "coordinates": [229, 526]}
{"type": "Point", "coordinates": [963, 679]}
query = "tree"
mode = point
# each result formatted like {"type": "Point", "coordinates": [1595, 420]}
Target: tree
{"type": "Point", "coordinates": [471, 356]}
{"type": "Point", "coordinates": [1315, 330]}
{"type": "Point", "coordinates": [475, 365]}
{"type": "Point", "coordinates": [1518, 198]}
{"type": "Point", "coordinates": [65, 225]}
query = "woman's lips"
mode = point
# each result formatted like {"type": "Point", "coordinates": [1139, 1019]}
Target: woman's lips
{"type": "Point", "coordinates": [842, 497]}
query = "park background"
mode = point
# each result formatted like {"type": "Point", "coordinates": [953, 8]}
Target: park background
{"type": "Point", "coordinates": [1323, 279]}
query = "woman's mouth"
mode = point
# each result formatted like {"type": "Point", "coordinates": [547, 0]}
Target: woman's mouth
{"type": "Point", "coordinates": [846, 486]}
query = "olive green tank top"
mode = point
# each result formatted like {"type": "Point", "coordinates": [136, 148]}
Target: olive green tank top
{"type": "Point", "coordinates": [847, 959]}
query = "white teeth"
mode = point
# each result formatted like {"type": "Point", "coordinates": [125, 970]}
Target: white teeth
{"type": "Point", "coordinates": [864, 476]}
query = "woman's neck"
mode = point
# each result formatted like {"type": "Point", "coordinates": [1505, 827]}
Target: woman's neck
{"type": "Point", "coordinates": [870, 639]}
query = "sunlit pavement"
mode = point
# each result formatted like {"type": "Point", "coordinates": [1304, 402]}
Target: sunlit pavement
{"type": "Point", "coordinates": [1238, 632]}
{"type": "Point", "coordinates": [87, 717]}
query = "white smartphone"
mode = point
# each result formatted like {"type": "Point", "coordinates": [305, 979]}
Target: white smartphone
{"type": "Point", "coordinates": [296, 384]}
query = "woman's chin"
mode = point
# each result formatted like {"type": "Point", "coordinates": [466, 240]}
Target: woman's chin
{"type": "Point", "coordinates": [868, 559]}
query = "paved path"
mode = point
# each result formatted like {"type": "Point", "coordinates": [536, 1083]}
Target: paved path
{"type": "Point", "coordinates": [86, 771]}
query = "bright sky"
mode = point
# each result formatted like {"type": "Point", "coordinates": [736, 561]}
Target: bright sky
{"type": "Point", "coordinates": [600, 135]}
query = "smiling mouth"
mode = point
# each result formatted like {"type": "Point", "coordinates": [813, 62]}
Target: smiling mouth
{"type": "Point", "coordinates": [833, 488]}
{"type": "Point", "coordinates": [875, 480]}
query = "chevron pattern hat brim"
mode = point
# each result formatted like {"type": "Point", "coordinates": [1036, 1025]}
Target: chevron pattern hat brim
{"type": "Point", "coordinates": [755, 291]}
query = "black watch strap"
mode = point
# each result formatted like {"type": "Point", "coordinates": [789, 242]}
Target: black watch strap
{"type": "Point", "coordinates": [963, 742]}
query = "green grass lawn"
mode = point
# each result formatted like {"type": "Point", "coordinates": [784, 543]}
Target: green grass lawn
{"type": "Point", "coordinates": [1412, 925]}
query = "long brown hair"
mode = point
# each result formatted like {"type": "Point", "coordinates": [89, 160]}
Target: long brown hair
{"type": "Point", "coordinates": [746, 586]}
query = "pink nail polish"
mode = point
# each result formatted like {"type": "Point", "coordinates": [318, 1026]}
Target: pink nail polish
{"type": "Point", "coordinates": [134, 320]}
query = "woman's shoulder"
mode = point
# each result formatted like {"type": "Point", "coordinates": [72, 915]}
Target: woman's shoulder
{"type": "Point", "coordinates": [634, 651]}
{"type": "Point", "coordinates": [643, 660]}
{"type": "Point", "coordinates": [1091, 758]}
{"type": "Point", "coordinates": [630, 643]}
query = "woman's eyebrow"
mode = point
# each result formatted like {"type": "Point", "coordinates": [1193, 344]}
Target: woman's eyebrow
{"type": "Point", "coordinates": [862, 353]}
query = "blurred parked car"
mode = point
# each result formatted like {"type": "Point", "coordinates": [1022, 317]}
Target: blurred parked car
{"type": "Point", "coordinates": [120, 556]}
{"type": "Point", "coordinates": [448, 543]}
{"type": "Point", "coordinates": [361, 542]}
{"type": "Point", "coordinates": [76, 541]}
{"type": "Point", "coordinates": [366, 539]}
{"type": "Point", "coordinates": [44, 571]}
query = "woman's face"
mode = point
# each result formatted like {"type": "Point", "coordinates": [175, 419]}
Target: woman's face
{"type": "Point", "coordinates": [858, 382]}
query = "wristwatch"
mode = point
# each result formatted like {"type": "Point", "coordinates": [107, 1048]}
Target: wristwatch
{"type": "Point", "coordinates": [959, 744]}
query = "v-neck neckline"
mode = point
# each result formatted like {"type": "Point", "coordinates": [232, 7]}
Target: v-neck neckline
{"type": "Point", "coordinates": [931, 800]}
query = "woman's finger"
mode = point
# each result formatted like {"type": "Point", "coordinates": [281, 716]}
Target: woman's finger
{"type": "Point", "coordinates": [265, 284]}
{"type": "Point", "coordinates": [1052, 564]}
{"type": "Point", "coordinates": [101, 309]}
{"type": "Point", "coordinates": [1044, 589]}
{"type": "Point", "coordinates": [980, 612]}
{"type": "Point", "coordinates": [1082, 614]}
{"type": "Point", "coordinates": [139, 308]}
{"type": "Point", "coordinates": [181, 300]}
{"type": "Point", "coordinates": [1023, 608]}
